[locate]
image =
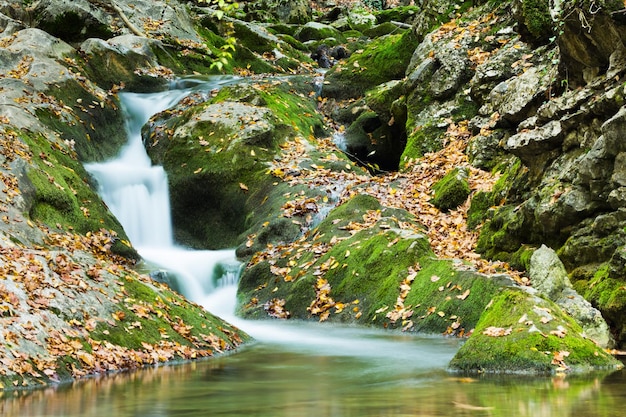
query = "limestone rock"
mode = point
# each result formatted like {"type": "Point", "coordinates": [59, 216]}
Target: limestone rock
{"type": "Point", "coordinates": [527, 145]}
{"type": "Point", "coordinates": [517, 98]}
{"type": "Point", "coordinates": [549, 277]}
{"type": "Point", "coordinates": [547, 273]}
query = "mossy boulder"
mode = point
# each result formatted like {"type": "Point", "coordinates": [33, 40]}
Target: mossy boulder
{"type": "Point", "coordinates": [127, 60]}
{"type": "Point", "coordinates": [522, 333]}
{"type": "Point", "coordinates": [382, 60]}
{"type": "Point", "coordinates": [63, 196]}
{"type": "Point", "coordinates": [383, 29]}
{"type": "Point", "coordinates": [360, 19]}
{"type": "Point", "coordinates": [534, 17]}
{"type": "Point", "coordinates": [451, 191]}
{"type": "Point", "coordinates": [315, 31]}
{"type": "Point", "coordinates": [363, 264]}
{"type": "Point", "coordinates": [87, 314]}
{"type": "Point", "coordinates": [217, 156]}
{"type": "Point", "coordinates": [404, 14]}
{"type": "Point", "coordinates": [606, 290]}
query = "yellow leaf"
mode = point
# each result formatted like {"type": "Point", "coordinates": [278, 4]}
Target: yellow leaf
{"type": "Point", "coordinates": [243, 186]}
{"type": "Point", "coordinates": [464, 295]}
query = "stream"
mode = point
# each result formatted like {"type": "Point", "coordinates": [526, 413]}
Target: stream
{"type": "Point", "coordinates": [293, 369]}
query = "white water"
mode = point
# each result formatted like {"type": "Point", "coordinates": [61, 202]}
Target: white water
{"type": "Point", "coordinates": [137, 194]}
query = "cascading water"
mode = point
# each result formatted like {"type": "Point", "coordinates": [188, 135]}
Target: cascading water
{"type": "Point", "coordinates": [136, 192]}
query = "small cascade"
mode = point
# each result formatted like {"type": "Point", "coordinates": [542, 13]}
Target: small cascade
{"type": "Point", "coordinates": [137, 193]}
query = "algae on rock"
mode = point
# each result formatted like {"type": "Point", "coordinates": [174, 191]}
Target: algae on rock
{"type": "Point", "coordinates": [521, 333]}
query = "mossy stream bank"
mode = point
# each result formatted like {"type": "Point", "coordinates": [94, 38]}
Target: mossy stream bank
{"type": "Point", "coordinates": [255, 164]}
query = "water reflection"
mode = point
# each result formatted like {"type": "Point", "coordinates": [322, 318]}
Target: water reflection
{"type": "Point", "coordinates": [264, 380]}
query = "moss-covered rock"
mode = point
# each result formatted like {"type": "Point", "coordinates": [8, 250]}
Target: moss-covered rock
{"type": "Point", "coordinates": [382, 60]}
{"type": "Point", "coordinates": [536, 19]}
{"type": "Point", "coordinates": [318, 32]}
{"type": "Point", "coordinates": [217, 157]}
{"type": "Point", "coordinates": [96, 315]}
{"type": "Point", "coordinates": [522, 333]}
{"type": "Point", "coordinates": [607, 292]}
{"type": "Point", "coordinates": [62, 194]}
{"type": "Point", "coordinates": [451, 191]}
{"type": "Point", "coordinates": [363, 264]}
{"type": "Point", "coordinates": [397, 14]}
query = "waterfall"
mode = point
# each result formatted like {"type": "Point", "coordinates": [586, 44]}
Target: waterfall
{"type": "Point", "coordinates": [137, 193]}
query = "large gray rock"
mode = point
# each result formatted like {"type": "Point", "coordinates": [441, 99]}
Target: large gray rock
{"type": "Point", "coordinates": [518, 98]}
{"type": "Point", "coordinates": [527, 145]}
{"type": "Point", "coordinates": [549, 277]}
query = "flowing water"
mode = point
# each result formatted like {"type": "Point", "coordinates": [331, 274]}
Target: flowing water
{"type": "Point", "coordinates": [294, 369]}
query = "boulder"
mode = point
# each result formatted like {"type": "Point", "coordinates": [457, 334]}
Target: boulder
{"type": "Point", "coordinates": [317, 31]}
{"type": "Point", "coordinates": [383, 60]}
{"type": "Point", "coordinates": [451, 191]}
{"type": "Point", "coordinates": [522, 333]}
{"type": "Point", "coordinates": [361, 19]}
{"type": "Point", "coordinates": [124, 60]}
{"type": "Point", "coordinates": [370, 264]}
{"type": "Point", "coordinates": [217, 155]}
{"type": "Point", "coordinates": [518, 98]}
{"type": "Point", "coordinates": [549, 277]}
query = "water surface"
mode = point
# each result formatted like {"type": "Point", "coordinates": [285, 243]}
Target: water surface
{"type": "Point", "coordinates": [366, 373]}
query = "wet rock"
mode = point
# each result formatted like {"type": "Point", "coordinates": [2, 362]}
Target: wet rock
{"type": "Point", "coordinates": [521, 332]}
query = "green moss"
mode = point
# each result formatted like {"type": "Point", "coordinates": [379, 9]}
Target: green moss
{"type": "Point", "coordinates": [520, 259]}
{"type": "Point", "coordinates": [63, 196]}
{"type": "Point", "coordinates": [319, 33]}
{"type": "Point", "coordinates": [397, 14]}
{"type": "Point", "coordinates": [382, 60]}
{"type": "Point", "coordinates": [606, 293]}
{"type": "Point", "coordinates": [537, 18]}
{"type": "Point", "coordinates": [505, 227]}
{"type": "Point", "coordinates": [421, 140]}
{"type": "Point", "coordinates": [94, 131]}
{"type": "Point", "coordinates": [216, 172]}
{"type": "Point", "coordinates": [503, 234]}
{"type": "Point", "coordinates": [531, 345]}
{"type": "Point", "coordinates": [451, 191]}
{"type": "Point", "coordinates": [386, 28]}
{"type": "Point", "coordinates": [438, 297]}
{"type": "Point", "coordinates": [165, 311]}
